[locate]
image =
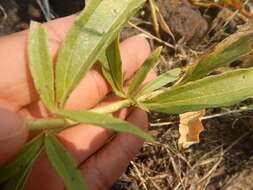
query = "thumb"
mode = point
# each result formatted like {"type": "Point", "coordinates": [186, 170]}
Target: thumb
{"type": "Point", "coordinates": [13, 134]}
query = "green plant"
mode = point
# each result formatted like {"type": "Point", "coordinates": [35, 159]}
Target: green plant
{"type": "Point", "coordinates": [100, 22]}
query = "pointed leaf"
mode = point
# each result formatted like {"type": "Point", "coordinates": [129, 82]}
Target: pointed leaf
{"type": "Point", "coordinates": [112, 67]}
{"type": "Point", "coordinates": [92, 118]}
{"type": "Point", "coordinates": [115, 64]}
{"type": "Point", "coordinates": [89, 36]}
{"type": "Point", "coordinates": [227, 51]}
{"type": "Point", "coordinates": [160, 81]}
{"type": "Point", "coordinates": [22, 160]}
{"type": "Point", "coordinates": [214, 91]}
{"type": "Point", "coordinates": [108, 74]}
{"type": "Point", "coordinates": [141, 74]}
{"type": "Point", "coordinates": [64, 164]}
{"type": "Point", "coordinates": [41, 65]}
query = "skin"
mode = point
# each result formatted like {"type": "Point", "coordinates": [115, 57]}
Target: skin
{"type": "Point", "coordinates": [101, 162]}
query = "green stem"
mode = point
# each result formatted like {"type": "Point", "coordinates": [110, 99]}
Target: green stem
{"type": "Point", "coordinates": [113, 107]}
{"type": "Point", "coordinates": [46, 123]}
{"type": "Point", "coordinates": [150, 95]}
{"type": "Point", "coordinates": [56, 123]}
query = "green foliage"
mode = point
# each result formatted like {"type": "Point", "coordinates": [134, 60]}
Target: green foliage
{"type": "Point", "coordinates": [231, 49]}
{"type": "Point", "coordinates": [214, 91]}
{"type": "Point", "coordinates": [18, 181]}
{"type": "Point", "coordinates": [92, 37]}
{"type": "Point", "coordinates": [88, 38]}
{"type": "Point", "coordinates": [92, 118]}
{"type": "Point", "coordinates": [112, 67]}
{"type": "Point", "coordinates": [23, 160]}
{"type": "Point", "coordinates": [142, 72]}
{"type": "Point", "coordinates": [63, 163]}
{"type": "Point", "coordinates": [160, 81]}
{"type": "Point", "coordinates": [41, 65]}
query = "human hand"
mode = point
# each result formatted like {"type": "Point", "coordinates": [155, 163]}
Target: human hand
{"type": "Point", "coordinates": [100, 162]}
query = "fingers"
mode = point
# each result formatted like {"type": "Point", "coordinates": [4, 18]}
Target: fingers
{"type": "Point", "coordinates": [94, 87]}
{"type": "Point", "coordinates": [13, 134]}
{"type": "Point", "coordinates": [80, 141]}
{"type": "Point", "coordinates": [103, 168]}
{"type": "Point", "coordinates": [83, 140]}
{"type": "Point", "coordinates": [17, 86]}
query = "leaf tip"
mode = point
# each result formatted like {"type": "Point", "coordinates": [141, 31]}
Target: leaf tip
{"type": "Point", "coordinates": [34, 24]}
{"type": "Point", "coordinates": [150, 139]}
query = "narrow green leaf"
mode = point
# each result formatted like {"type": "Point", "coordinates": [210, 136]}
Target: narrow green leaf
{"type": "Point", "coordinates": [64, 164]}
{"type": "Point", "coordinates": [214, 91]}
{"type": "Point", "coordinates": [41, 65]}
{"type": "Point", "coordinates": [17, 182]}
{"type": "Point", "coordinates": [115, 64]}
{"type": "Point", "coordinates": [90, 7]}
{"type": "Point", "coordinates": [22, 160]}
{"type": "Point", "coordinates": [107, 72]}
{"type": "Point", "coordinates": [92, 118]}
{"type": "Point", "coordinates": [112, 67]}
{"type": "Point", "coordinates": [227, 51]}
{"type": "Point", "coordinates": [88, 37]}
{"type": "Point", "coordinates": [160, 81]}
{"type": "Point", "coordinates": [141, 74]}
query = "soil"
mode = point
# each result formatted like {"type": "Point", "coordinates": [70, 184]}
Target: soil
{"type": "Point", "coordinates": [223, 160]}
{"type": "Point", "coordinates": [184, 20]}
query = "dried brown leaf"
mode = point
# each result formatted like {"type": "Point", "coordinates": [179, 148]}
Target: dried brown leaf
{"type": "Point", "coordinates": [190, 127]}
{"type": "Point", "coordinates": [164, 25]}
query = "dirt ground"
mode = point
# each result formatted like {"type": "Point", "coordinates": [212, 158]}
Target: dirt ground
{"type": "Point", "coordinates": [223, 160]}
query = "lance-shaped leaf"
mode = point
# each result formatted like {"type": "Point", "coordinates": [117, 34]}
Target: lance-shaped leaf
{"type": "Point", "coordinates": [22, 160]}
{"type": "Point", "coordinates": [112, 67]}
{"type": "Point", "coordinates": [214, 91]}
{"type": "Point", "coordinates": [160, 81]}
{"type": "Point", "coordinates": [64, 164]}
{"type": "Point", "coordinates": [41, 65]}
{"type": "Point", "coordinates": [88, 37]}
{"type": "Point", "coordinates": [227, 51]}
{"type": "Point", "coordinates": [18, 182]}
{"type": "Point", "coordinates": [92, 118]}
{"type": "Point", "coordinates": [142, 72]}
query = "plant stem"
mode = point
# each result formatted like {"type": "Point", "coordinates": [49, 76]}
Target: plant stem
{"type": "Point", "coordinates": [46, 123]}
{"type": "Point", "coordinates": [113, 107]}
{"type": "Point", "coordinates": [56, 123]}
{"type": "Point", "coordinates": [150, 95]}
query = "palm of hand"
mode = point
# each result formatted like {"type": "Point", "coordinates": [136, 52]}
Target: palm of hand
{"type": "Point", "coordinates": [100, 164]}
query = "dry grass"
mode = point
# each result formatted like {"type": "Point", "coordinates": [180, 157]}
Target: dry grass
{"type": "Point", "coordinates": [224, 157]}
